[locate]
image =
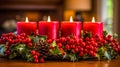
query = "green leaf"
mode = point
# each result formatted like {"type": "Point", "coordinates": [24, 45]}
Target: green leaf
{"type": "Point", "coordinates": [12, 55]}
{"type": "Point", "coordinates": [2, 49]}
{"type": "Point", "coordinates": [53, 44]}
{"type": "Point", "coordinates": [55, 51]}
{"type": "Point", "coordinates": [98, 56]}
{"type": "Point", "coordinates": [72, 57]}
{"type": "Point", "coordinates": [107, 56]}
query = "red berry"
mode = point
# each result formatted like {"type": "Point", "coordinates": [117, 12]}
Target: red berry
{"type": "Point", "coordinates": [28, 39]}
{"type": "Point", "coordinates": [80, 40]}
{"type": "Point", "coordinates": [76, 49]}
{"type": "Point", "coordinates": [67, 38]}
{"type": "Point", "coordinates": [87, 39]}
{"type": "Point", "coordinates": [87, 47]}
{"type": "Point", "coordinates": [9, 40]}
{"type": "Point", "coordinates": [72, 46]}
{"type": "Point", "coordinates": [94, 54]}
{"type": "Point", "coordinates": [67, 47]}
{"type": "Point", "coordinates": [81, 54]}
{"type": "Point", "coordinates": [88, 43]}
{"type": "Point", "coordinates": [94, 49]}
{"type": "Point", "coordinates": [23, 34]}
{"type": "Point", "coordinates": [24, 41]}
{"type": "Point", "coordinates": [86, 50]}
{"type": "Point", "coordinates": [57, 40]}
{"type": "Point", "coordinates": [42, 60]}
{"type": "Point", "coordinates": [116, 49]}
{"type": "Point", "coordinates": [22, 37]}
{"type": "Point", "coordinates": [91, 47]}
{"type": "Point", "coordinates": [4, 35]}
{"type": "Point", "coordinates": [35, 57]}
{"type": "Point", "coordinates": [51, 47]}
{"type": "Point", "coordinates": [59, 45]}
{"type": "Point", "coordinates": [104, 42]}
{"type": "Point", "coordinates": [91, 52]}
{"type": "Point", "coordinates": [20, 40]}
{"type": "Point", "coordinates": [37, 53]}
{"type": "Point", "coordinates": [18, 36]}
{"type": "Point", "coordinates": [32, 52]}
{"type": "Point", "coordinates": [36, 60]}
{"type": "Point", "coordinates": [83, 44]}
{"type": "Point", "coordinates": [112, 44]}
{"type": "Point", "coordinates": [91, 39]}
{"type": "Point", "coordinates": [49, 41]}
{"type": "Point", "coordinates": [63, 53]}
{"type": "Point", "coordinates": [114, 40]}
{"type": "Point", "coordinates": [109, 36]}
{"type": "Point", "coordinates": [62, 39]}
{"type": "Point", "coordinates": [71, 41]}
{"type": "Point", "coordinates": [81, 49]}
{"type": "Point", "coordinates": [95, 44]}
{"type": "Point", "coordinates": [29, 44]}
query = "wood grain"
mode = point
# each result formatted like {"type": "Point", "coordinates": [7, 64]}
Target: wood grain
{"type": "Point", "coordinates": [19, 63]}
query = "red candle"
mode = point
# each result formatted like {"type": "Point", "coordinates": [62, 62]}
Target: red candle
{"type": "Point", "coordinates": [70, 28]}
{"type": "Point", "coordinates": [26, 27]}
{"type": "Point", "coordinates": [93, 27]}
{"type": "Point", "coordinates": [49, 28]}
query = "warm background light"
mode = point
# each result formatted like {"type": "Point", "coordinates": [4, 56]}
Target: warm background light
{"type": "Point", "coordinates": [82, 5]}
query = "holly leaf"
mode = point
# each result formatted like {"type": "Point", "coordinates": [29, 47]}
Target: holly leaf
{"type": "Point", "coordinates": [53, 44]}
{"type": "Point", "coordinates": [12, 55]}
{"type": "Point", "coordinates": [115, 35]}
{"type": "Point", "coordinates": [72, 57]}
{"type": "Point", "coordinates": [55, 51]}
{"type": "Point", "coordinates": [98, 56]}
{"type": "Point", "coordinates": [43, 38]}
{"type": "Point", "coordinates": [2, 49]}
{"type": "Point", "coordinates": [107, 55]}
{"type": "Point", "coordinates": [20, 48]}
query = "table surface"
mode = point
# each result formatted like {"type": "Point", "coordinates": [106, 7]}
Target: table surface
{"type": "Point", "coordinates": [19, 63]}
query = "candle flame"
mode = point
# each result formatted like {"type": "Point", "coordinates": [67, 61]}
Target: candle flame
{"type": "Point", "coordinates": [27, 20]}
{"type": "Point", "coordinates": [48, 20]}
{"type": "Point", "coordinates": [93, 19]}
{"type": "Point", "coordinates": [71, 19]}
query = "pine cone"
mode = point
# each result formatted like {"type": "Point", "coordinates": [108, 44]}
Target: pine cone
{"type": "Point", "coordinates": [43, 49]}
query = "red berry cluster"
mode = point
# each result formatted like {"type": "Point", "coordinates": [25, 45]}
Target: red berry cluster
{"type": "Point", "coordinates": [36, 57]}
{"type": "Point", "coordinates": [77, 45]}
{"type": "Point", "coordinates": [10, 39]}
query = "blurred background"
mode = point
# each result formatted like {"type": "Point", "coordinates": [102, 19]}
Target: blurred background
{"type": "Point", "coordinates": [12, 11]}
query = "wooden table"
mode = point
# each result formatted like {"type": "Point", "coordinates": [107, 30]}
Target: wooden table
{"type": "Point", "coordinates": [19, 63]}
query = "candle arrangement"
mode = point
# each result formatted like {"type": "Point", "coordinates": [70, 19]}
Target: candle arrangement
{"type": "Point", "coordinates": [94, 44]}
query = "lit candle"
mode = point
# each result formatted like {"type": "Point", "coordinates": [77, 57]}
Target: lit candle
{"type": "Point", "coordinates": [71, 27]}
{"type": "Point", "coordinates": [26, 27]}
{"type": "Point", "coordinates": [48, 28]}
{"type": "Point", "coordinates": [93, 27]}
